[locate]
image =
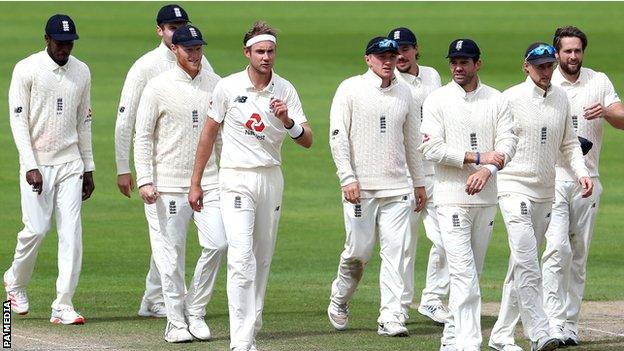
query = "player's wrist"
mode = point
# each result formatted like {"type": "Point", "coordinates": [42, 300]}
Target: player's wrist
{"type": "Point", "coordinates": [296, 131]}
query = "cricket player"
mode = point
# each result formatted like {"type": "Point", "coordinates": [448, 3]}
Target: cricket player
{"type": "Point", "coordinates": [255, 109]}
{"type": "Point", "coordinates": [526, 188]}
{"type": "Point", "coordinates": [159, 60]}
{"type": "Point", "coordinates": [374, 141]}
{"type": "Point", "coordinates": [469, 133]}
{"type": "Point", "coordinates": [49, 105]}
{"type": "Point", "coordinates": [170, 116]}
{"type": "Point", "coordinates": [422, 80]}
{"type": "Point", "coordinates": [592, 100]}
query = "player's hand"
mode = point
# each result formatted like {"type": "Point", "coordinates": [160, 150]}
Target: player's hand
{"type": "Point", "coordinates": [196, 198]}
{"type": "Point", "coordinates": [280, 110]}
{"type": "Point", "coordinates": [588, 186]}
{"type": "Point", "coordinates": [476, 182]}
{"type": "Point", "coordinates": [421, 198]}
{"type": "Point", "coordinates": [351, 192]}
{"type": "Point", "coordinates": [493, 158]}
{"type": "Point", "coordinates": [35, 179]}
{"type": "Point", "coordinates": [148, 194]}
{"type": "Point", "coordinates": [125, 184]}
{"type": "Point", "coordinates": [594, 111]}
{"type": "Point", "coordinates": [87, 185]}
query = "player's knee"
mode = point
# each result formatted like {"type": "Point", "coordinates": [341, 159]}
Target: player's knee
{"type": "Point", "coordinates": [38, 231]}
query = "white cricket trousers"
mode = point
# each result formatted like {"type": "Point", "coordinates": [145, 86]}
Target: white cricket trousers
{"type": "Point", "coordinates": [437, 280]}
{"type": "Point", "coordinates": [168, 219]}
{"type": "Point", "coordinates": [153, 285]}
{"type": "Point", "coordinates": [409, 260]}
{"type": "Point", "coordinates": [564, 261]}
{"type": "Point", "coordinates": [526, 222]}
{"type": "Point", "coordinates": [62, 194]}
{"type": "Point", "coordinates": [250, 206]}
{"type": "Point", "coordinates": [466, 233]}
{"type": "Point", "coordinates": [390, 217]}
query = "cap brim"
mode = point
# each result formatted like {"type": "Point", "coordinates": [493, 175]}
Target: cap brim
{"type": "Point", "coordinates": [540, 60]}
{"type": "Point", "coordinates": [461, 54]}
{"type": "Point", "coordinates": [174, 20]}
{"type": "Point", "coordinates": [403, 42]}
{"type": "Point", "coordinates": [191, 42]}
{"type": "Point", "coordinates": [63, 37]}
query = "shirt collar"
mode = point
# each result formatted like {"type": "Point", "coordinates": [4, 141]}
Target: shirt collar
{"type": "Point", "coordinates": [559, 79]}
{"type": "Point", "coordinates": [461, 92]}
{"type": "Point", "coordinates": [408, 77]}
{"type": "Point", "coordinates": [249, 85]}
{"type": "Point", "coordinates": [536, 91]}
{"type": "Point", "coordinates": [51, 65]}
{"type": "Point", "coordinates": [375, 80]}
{"type": "Point", "coordinates": [181, 74]}
{"type": "Point", "coordinates": [166, 52]}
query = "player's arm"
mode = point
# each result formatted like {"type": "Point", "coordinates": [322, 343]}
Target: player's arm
{"type": "Point", "coordinates": [615, 115]}
{"type": "Point", "coordinates": [204, 150]}
{"type": "Point", "coordinates": [85, 147]}
{"type": "Point", "coordinates": [145, 126]}
{"type": "Point", "coordinates": [290, 112]}
{"type": "Point", "coordinates": [124, 126]}
{"type": "Point", "coordinates": [413, 156]}
{"type": "Point", "coordinates": [573, 156]}
{"type": "Point", "coordinates": [19, 112]}
{"type": "Point", "coordinates": [506, 139]}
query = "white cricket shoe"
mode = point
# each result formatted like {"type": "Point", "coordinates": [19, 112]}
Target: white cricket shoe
{"type": "Point", "coordinates": [571, 337]}
{"type": "Point", "coordinates": [448, 347]}
{"type": "Point", "coordinates": [198, 328]}
{"type": "Point", "coordinates": [437, 313]}
{"type": "Point", "coordinates": [392, 329]}
{"type": "Point", "coordinates": [155, 310]}
{"type": "Point", "coordinates": [507, 347]}
{"type": "Point", "coordinates": [175, 334]}
{"type": "Point", "coordinates": [253, 346]}
{"type": "Point", "coordinates": [557, 333]}
{"type": "Point", "coordinates": [338, 315]}
{"type": "Point", "coordinates": [66, 315]}
{"type": "Point", "coordinates": [546, 343]}
{"type": "Point", "coordinates": [403, 318]}
{"type": "Point", "coordinates": [18, 298]}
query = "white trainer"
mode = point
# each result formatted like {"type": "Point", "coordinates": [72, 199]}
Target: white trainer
{"type": "Point", "coordinates": [174, 334]}
{"type": "Point", "coordinates": [557, 333]}
{"type": "Point", "coordinates": [338, 315]}
{"type": "Point", "coordinates": [571, 337]}
{"type": "Point", "coordinates": [392, 329]}
{"type": "Point", "coordinates": [156, 310]}
{"type": "Point", "coordinates": [448, 347]}
{"type": "Point", "coordinates": [506, 347]}
{"type": "Point", "coordinates": [546, 343]}
{"type": "Point", "coordinates": [18, 298]}
{"type": "Point", "coordinates": [253, 346]}
{"type": "Point", "coordinates": [437, 313]}
{"type": "Point", "coordinates": [66, 315]}
{"type": "Point", "coordinates": [198, 328]}
{"type": "Point", "coordinates": [403, 318]}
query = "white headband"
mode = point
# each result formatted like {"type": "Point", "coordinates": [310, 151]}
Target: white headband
{"type": "Point", "coordinates": [259, 38]}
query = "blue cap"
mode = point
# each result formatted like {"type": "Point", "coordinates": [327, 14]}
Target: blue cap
{"type": "Point", "coordinates": [187, 36]}
{"type": "Point", "coordinates": [538, 53]}
{"type": "Point", "coordinates": [463, 48]}
{"type": "Point", "coordinates": [171, 13]}
{"type": "Point", "coordinates": [402, 35]}
{"type": "Point", "coordinates": [61, 28]}
{"type": "Point", "coordinates": [378, 45]}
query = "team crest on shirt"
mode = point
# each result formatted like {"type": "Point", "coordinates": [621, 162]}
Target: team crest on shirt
{"type": "Point", "coordinates": [59, 106]}
{"type": "Point", "coordinates": [172, 207]}
{"type": "Point", "coordinates": [195, 117]}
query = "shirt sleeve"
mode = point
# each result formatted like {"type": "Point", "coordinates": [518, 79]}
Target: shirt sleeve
{"type": "Point", "coordinates": [84, 118]}
{"type": "Point", "coordinates": [126, 115]}
{"type": "Point", "coordinates": [339, 128]}
{"type": "Point", "coordinates": [295, 110]}
{"type": "Point", "coordinates": [146, 119]}
{"type": "Point", "coordinates": [219, 104]}
{"type": "Point", "coordinates": [412, 139]}
{"type": "Point", "coordinates": [434, 144]}
{"type": "Point", "coordinates": [19, 112]}
{"type": "Point", "coordinates": [610, 95]}
{"type": "Point", "coordinates": [506, 139]}
{"type": "Point", "coordinates": [206, 65]}
{"type": "Point", "coordinates": [571, 148]}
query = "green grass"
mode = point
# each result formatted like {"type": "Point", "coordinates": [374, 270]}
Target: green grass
{"type": "Point", "coordinates": [320, 44]}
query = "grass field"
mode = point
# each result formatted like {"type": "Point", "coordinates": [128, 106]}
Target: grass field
{"type": "Point", "coordinates": [320, 44]}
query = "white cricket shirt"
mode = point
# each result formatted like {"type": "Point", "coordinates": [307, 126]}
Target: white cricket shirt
{"type": "Point", "coordinates": [252, 135]}
{"type": "Point", "coordinates": [50, 111]}
{"type": "Point", "coordinates": [148, 66]}
{"type": "Point", "coordinates": [589, 88]}
{"type": "Point", "coordinates": [170, 118]}
{"type": "Point", "coordinates": [544, 127]}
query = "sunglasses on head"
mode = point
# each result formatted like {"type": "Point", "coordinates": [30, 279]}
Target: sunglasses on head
{"type": "Point", "coordinates": [541, 50]}
{"type": "Point", "coordinates": [386, 43]}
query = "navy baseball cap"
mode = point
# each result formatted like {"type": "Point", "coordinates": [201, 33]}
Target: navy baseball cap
{"type": "Point", "coordinates": [377, 45]}
{"type": "Point", "coordinates": [402, 35]}
{"type": "Point", "coordinates": [463, 48]}
{"type": "Point", "coordinates": [538, 53]}
{"type": "Point", "coordinates": [171, 13]}
{"type": "Point", "coordinates": [61, 28]}
{"type": "Point", "coordinates": [187, 36]}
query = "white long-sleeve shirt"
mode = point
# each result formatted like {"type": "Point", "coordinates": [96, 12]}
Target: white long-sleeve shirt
{"type": "Point", "coordinates": [421, 85]}
{"type": "Point", "coordinates": [589, 88]}
{"type": "Point", "coordinates": [374, 134]}
{"type": "Point", "coordinates": [50, 109]}
{"type": "Point", "coordinates": [170, 118]}
{"type": "Point", "coordinates": [544, 127]}
{"type": "Point", "coordinates": [456, 122]}
{"type": "Point", "coordinates": [148, 66]}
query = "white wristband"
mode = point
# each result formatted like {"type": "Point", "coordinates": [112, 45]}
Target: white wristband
{"type": "Point", "coordinates": [296, 131]}
{"type": "Point", "coordinates": [493, 169]}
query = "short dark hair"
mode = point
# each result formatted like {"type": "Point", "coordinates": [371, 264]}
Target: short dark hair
{"type": "Point", "coordinates": [569, 32]}
{"type": "Point", "coordinates": [258, 28]}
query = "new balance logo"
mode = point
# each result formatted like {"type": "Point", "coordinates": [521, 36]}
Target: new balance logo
{"type": "Point", "coordinates": [357, 210]}
{"type": "Point", "coordinates": [122, 109]}
{"type": "Point", "coordinates": [277, 208]}
{"type": "Point", "coordinates": [195, 117]}
{"type": "Point", "coordinates": [594, 205]}
{"type": "Point", "coordinates": [455, 219]}
{"type": "Point", "coordinates": [544, 135]}
{"type": "Point", "coordinates": [548, 215]}
{"type": "Point", "coordinates": [18, 109]}
{"type": "Point", "coordinates": [335, 132]}
{"type": "Point", "coordinates": [575, 122]}
{"type": "Point", "coordinates": [473, 141]}
{"type": "Point", "coordinates": [240, 99]}
{"type": "Point", "coordinates": [237, 202]}
{"type": "Point", "coordinates": [172, 207]}
{"type": "Point", "coordinates": [65, 26]}
{"type": "Point", "coordinates": [523, 209]}
{"type": "Point", "coordinates": [405, 198]}
{"type": "Point", "coordinates": [382, 124]}
{"type": "Point", "coordinates": [491, 223]}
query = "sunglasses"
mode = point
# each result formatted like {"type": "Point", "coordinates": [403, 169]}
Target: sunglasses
{"type": "Point", "coordinates": [541, 50]}
{"type": "Point", "coordinates": [386, 43]}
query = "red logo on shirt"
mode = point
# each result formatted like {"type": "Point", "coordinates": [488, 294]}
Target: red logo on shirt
{"type": "Point", "coordinates": [255, 123]}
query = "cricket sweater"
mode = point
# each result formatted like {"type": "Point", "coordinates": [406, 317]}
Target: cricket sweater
{"type": "Point", "coordinates": [374, 134]}
{"type": "Point", "coordinates": [148, 66]}
{"type": "Point", "coordinates": [544, 128]}
{"type": "Point", "coordinates": [456, 122]}
{"type": "Point", "coordinates": [50, 111]}
{"type": "Point", "coordinates": [170, 118]}
{"type": "Point", "coordinates": [589, 88]}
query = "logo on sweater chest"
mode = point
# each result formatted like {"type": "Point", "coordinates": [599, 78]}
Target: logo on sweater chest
{"type": "Point", "coordinates": [544, 135]}
{"type": "Point", "coordinates": [59, 106]}
{"type": "Point", "coordinates": [195, 118]}
{"type": "Point", "coordinates": [473, 141]}
{"type": "Point", "coordinates": [382, 124]}
{"type": "Point", "coordinates": [575, 122]}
